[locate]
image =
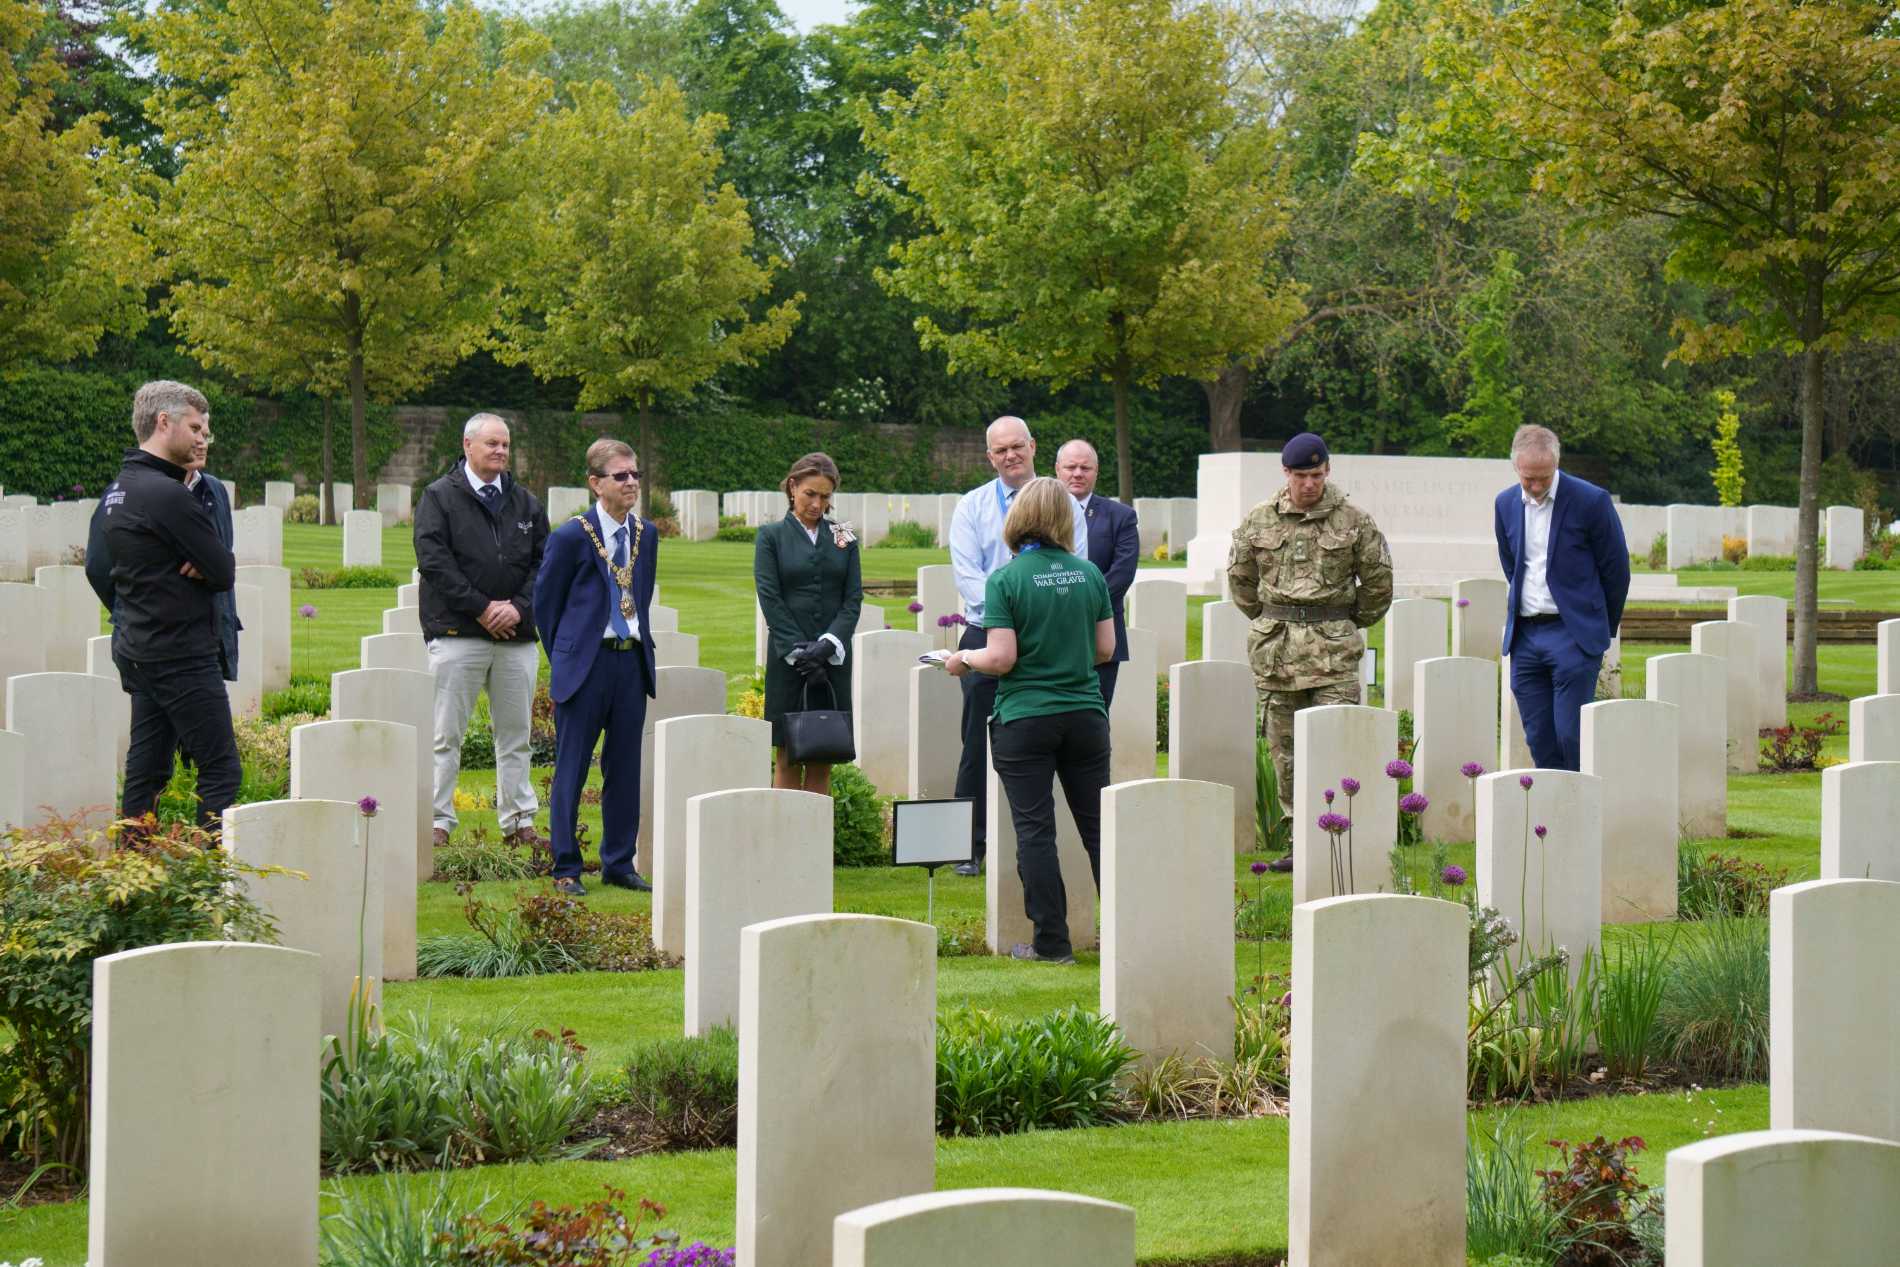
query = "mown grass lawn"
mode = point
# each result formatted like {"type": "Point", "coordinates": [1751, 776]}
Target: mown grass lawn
{"type": "Point", "coordinates": [1200, 1189]}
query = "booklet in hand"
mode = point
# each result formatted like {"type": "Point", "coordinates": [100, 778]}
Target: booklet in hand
{"type": "Point", "coordinates": [934, 658]}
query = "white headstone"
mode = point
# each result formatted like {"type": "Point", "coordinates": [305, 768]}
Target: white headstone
{"type": "Point", "coordinates": [99, 663]}
{"type": "Point", "coordinates": [1631, 745]}
{"type": "Point", "coordinates": [1777, 1198]}
{"type": "Point", "coordinates": [1006, 923]}
{"type": "Point", "coordinates": [946, 515]}
{"type": "Point", "coordinates": [1159, 603]}
{"type": "Point", "coordinates": [1454, 724]}
{"type": "Point", "coordinates": [13, 544]}
{"type": "Point", "coordinates": [13, 806]}
{"type": "Point", "coordinates": [1168, 917]}
{"type": "Point", "coordinates": [1477, 617]}
{"type": "Point", "coordinates": [1330, 743]}
{"type": "Point", "coordinates": [1181, 524]}
{"type": "Point", "coordinates": [1694, 536]}
{"type": "Point", "coordinates": [69, 721]}
{"type": "Point", "coordinates": [1873, 728]}
{"type": "Point", "coordinates": [1000, 1227]}
{"type": "Point", "coordinates": [409, 594]}
{"type": "Point", "coordinates": [663, 619]}
{"type": "Point", "coordinates": [670, 649]}
{"type": "Point", "coordinates": [362, 539]}
{"type": "Point", "coordinates": [402, 620]}
{"type": "Point", "coordinates": [870, 618]}
{"type": "Point", "coordinates": [257, 536]}
{"type": "Point", "coordinates": [1860, 802]}
{"type": "Point", "coordinates": [752, 854]}
{"type": "Point", "coordinates": [393, 503]}
{"type": "Point", "coordinates": [279, 493]}
{"type": "Point", "coordinates": [1211, 734]}
{"type": "Point", "coordinates": [1734, 642]}
{"type": "Point", "coordinates": [1132, 722]}
{"type": "Point", "coordinates": [342, 499]}
{"type": "Point", "coordinates": [273, 590]}
{"type": "Point", "coordinates": [880, 694]}
{"type": "Point", "coordinates": [204, 1107]}
{"type": "Point", "coordinates": [935, 717]}
{"type": "Point", "coordinates": [837, 1077]}
{"type": "Point", "coordinates": [1768, 617]}
{"type": "Point", "coordinates": [71, 613]}
{"type": "Point", "coordinates": [41, 548]}
{"type": "Point", "coordinates": [320, 910]}
{"type": "Point", "coordinates": [1887, 657]}
{"type": "Point", "coordinates": [22, 633]}
{"type": "Point", "coordinates": [1376, 1164]}
{"type": "Point", "coordinates": [680, 691]}
{"type": "Point", "coordinates": [1834, 1011]}
{"type": "Point", "coordinates": [1550, 888]}
{"type": "Point", "coordinates": [1698, 686]}
{"type": "Point", "coordinates": [246, 692]}
{"type": "Point", "coordinates": [408, 697]}
{"type": "Point", "coordinates": [1845, 528]}
{"type": "Point", "coordinates": [565, 503]}
{"type": "Point", "coordinates": [347, 761]}
{"type": "Point", "coordinates": [1151, 525]}
{"type": "Point", "coordinates": [937, 594]}
{"type": "Point", "coordinates": [1224, 632]}
{"type": "Point", "coordinates": [395, 651]}
{"type": "Point", "coordinates": [1772, 530]}
{"type": "Point", "coordinates": [1514, 750]}
{"type": "Point", "coordinates": [876, 524]}
{"type": "Point", "coordinates": [694, 755]}
{"type": "Point", "coordinates": [1414, 631]}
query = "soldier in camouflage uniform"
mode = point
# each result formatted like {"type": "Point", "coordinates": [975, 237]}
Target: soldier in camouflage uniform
{"type": "Point", "coordinates": [1310, 571]}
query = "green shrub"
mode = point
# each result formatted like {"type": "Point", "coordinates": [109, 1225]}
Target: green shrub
{"type": "Point", "coordinates": [478, 747]}
{"type": "Point", "coordinates": [1161, 713]}
{"type": "Point", "coordinates": [1711, 885]}
{"type": "Point", "coordinates": [598, 1234]}
{"type": "Point", "coordinates": [1659, 552]}
{"type": "Point", "coordinates": [960, 937]}
{"type": "Point", "coordinates": [305, 508]}
{"type": "Point", "coordinates": [1266, 915]}
{"type": "Point", "coordinates": [475, 856]}
{"type": "Point", "coordinates": [1768, 563]}
{"type": "Point", "coordinates": [304, 695]}
{"type": "Point", "coordinates": [349, 578]}
{"type": "Point", "coordinates": [1272, 833]}
{"type": "Point", "coordinates": [391, 1225]}
{"type": "Point", "coordinates": [995, 1076]}
{"type": "Point", "coordinates": [1633, 981]}
{"type": "Point", "coordinates": [1714, 1014]}
{"type": "Point", "coordinates": [263, 745]}
{"type": "Point", "coordinates": [65, 900]}
{"type": "Point", "coordinates": [436, 1097]}
{"type": "Point", "coordinates": [909, 536]}
{"type": "Point", "coordinates": [541, 932]}
{"type": "Point", "coordinates": [1506, 1224]}
{"type": "Point", "coordinates": [857, 820]}
{"type": "Point", "coordinates": [735, 528]}
{"type": "Point", "coordinates": [684, 1092]}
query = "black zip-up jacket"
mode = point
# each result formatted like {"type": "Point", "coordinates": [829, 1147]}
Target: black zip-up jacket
{"type": "Point", "coordinates": [211, 494]}
{"type": "Point", "coordinates": [470, 556]}
{"type": "Point", "coordinates": [154, 525]}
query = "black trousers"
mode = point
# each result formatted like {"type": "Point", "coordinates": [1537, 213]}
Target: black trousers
{"type": "Point", "coordinates": [179, 706]}
{"type": "Point", "coordinates": [1105, 673]}
{"type": "Point", "coordinates": [1031, 754]}
{"type": "Point", "coordinates": [979, 701]}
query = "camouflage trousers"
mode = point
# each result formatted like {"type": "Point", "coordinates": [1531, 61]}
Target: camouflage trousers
{"type": "Point", "coordinates": [1276, 724]}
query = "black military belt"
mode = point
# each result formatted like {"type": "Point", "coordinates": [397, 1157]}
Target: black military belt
{"type": "Point", "coordinates": [619, 644]}
{"type": "Point", "coordinates": [1305, 615]}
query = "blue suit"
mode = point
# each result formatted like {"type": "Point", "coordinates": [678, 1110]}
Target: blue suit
{"type": "Point", "coordinates": [1554, 661]}
{"type": "Point", "coordinates": [1114, 547]}
{"type": "Point", "coordinates": [595, 688]}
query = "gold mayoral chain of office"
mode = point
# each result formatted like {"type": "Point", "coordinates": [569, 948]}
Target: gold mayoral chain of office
{"type": "Point", "coordinates": [623, 572]}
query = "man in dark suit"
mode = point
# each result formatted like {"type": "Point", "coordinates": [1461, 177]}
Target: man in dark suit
{"type": "Point", "coordinates": [590, 604]}
{"type": "Point", "coordinates": [1561, 545]}
{"type": "Point", "coordinates": [1114, 544]}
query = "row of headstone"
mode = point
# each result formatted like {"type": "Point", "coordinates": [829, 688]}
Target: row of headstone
{"type": "Point", "coordinates": [1169, 520]}
{"type": "Point", "coordinates": [1696, 532]}
{"type": "Point", "coordinates": [698, 513]}
{"type": "Point", "coordinates": [33, 536]}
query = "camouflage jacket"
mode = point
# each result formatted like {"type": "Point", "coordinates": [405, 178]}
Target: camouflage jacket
{"type": "Point", "coordinates": [1330, 556]}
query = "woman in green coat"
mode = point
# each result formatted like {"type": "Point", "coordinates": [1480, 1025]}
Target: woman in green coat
{"type": "Point", "coordinates": [806, 570]}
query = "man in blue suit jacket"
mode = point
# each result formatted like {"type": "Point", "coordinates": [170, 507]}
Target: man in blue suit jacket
{"type": "Point", "coordinates": [1561, 544]}
{"type": "Point", "coordinates": [590, 606]}
{"type": "Point", "coordinates": [1114, 544]}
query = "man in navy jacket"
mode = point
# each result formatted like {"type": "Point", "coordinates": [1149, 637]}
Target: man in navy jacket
{"type": "Point", "coordinates": [1114, 543]}
{"type": "Point", "coordinates": [590, 606]}
{"type": "Point", "coordinates": [1562, 547]}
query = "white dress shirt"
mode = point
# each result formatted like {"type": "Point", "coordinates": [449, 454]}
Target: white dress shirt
{"type": "Point", "coordinates": [1535, 598]}
{"type": "Point", "coordinates": [609, 526]}
{"type": "Point", "coordinates": [478, 485]}
{"type": "Point", "coordinates": [976, 541]}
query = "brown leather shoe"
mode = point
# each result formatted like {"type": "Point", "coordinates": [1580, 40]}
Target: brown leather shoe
{"type": "Point", "coordinates": [439, 837]}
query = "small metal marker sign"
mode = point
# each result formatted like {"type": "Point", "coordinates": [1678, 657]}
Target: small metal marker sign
{"type": "Point", "coordinates": [931, 834]}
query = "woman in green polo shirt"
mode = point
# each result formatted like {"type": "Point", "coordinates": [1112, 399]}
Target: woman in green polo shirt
{"type": "Point", "coordinates": [1049, 624]}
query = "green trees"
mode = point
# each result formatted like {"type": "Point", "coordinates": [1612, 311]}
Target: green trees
{"type": "Point", "coordinates": [634, 275]}
{"type": "Point", "coordinates": [346, 190]}
{"type": "Point", "coordinates": [1087, 203]}
{"type": "Point", "coordinates": [72, 266]}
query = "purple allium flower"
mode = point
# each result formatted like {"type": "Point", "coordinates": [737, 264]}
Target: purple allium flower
{"type": "Point", "coordinates": [914, 607]}
{"type": "Point", "coordinates": [1329, 796]}
{"type": "Point", "coordinates": [958, 618]}
{"type": "Point", "coordinates": [79, 490]}
{"type": "Point", "coordinates": [1349, 786]}
{"type": "Point", "coordinates": [1464, 602]}
{"type": "Point", "coordinates": [1453, 874]}
{"type": "Point", "coordinates": [1286, 1000]}
{"type": "Point", "coordinates": [1335, 824]}
{"type": "Point", "coordinates": [698, 1254]}
{"type": "Point", "coordinates": [1413, 803]}
{"type": "Point", "coordinates": [945, 622]}
{"type": "Point", "coordinates": [1258, 868]}
{"type": "Point", "coordinates": [1398, 769]}
{"type": "Point", "coordinates": [1540, 831]}
{"type": "Point", "coordinates": [1471, 769]}
{"type": "Point", "coordinates": [367, 806]}
{"type": "Point", "coordinates": [307, 612]}
{"type": "Point", "coordinates": [1524, 781]}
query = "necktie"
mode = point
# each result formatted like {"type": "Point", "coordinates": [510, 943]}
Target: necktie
{"type": "Point", "coordinates": [614, 618]}
{"type": "Point", "coordinates": [491, 497]}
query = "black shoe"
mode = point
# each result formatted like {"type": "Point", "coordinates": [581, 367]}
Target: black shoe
{"type": "Point", "coordinates": [969, 868]}
{"type": "Point", "coordinates": [631, 880]}
{"type": "Point", "coordinates": [1281, 865]}
{"type": "Point", "coordinates": [570, 885]}
{"type": "Point", "coordinates": [1024, 951]}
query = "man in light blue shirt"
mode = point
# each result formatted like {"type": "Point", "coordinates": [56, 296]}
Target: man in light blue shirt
{"type": "Point", "coordinates": [976, 550]}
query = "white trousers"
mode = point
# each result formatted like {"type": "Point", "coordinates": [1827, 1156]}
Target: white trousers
{"type": "Point", "coordinates": [464, 667]}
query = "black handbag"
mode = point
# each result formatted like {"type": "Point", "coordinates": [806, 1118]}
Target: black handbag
{"type": "Point", "coordinates": [819, 736]}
